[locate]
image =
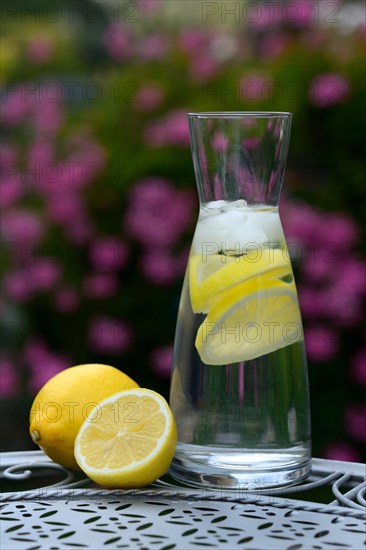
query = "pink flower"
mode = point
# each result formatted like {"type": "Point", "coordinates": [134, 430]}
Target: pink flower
{"type": "Point", "coordinates": [356, 421]}
{"type": "Point", "coordinates": [44, 274]}
{"type": "Point", "coordinates": [358, 367]}
{"type": "Point", "coordinates": [39, 276]}
{"type": "Point", "coordinates": [273, 45]}
{"type": "Point", "coordinates": [117, 42]}
{"type": "Point", "coordinates": [66, 300]}
{"type": "Point", "coordinates": [17, 104]}
{"type": "Point", "coordinates": [219, 142]}
{"type": "Point", "coordinates": [203, 65]}
{"type": "Point", "coordinates": [328, 264]}
{"type": "Point", "coordinates": [35, 351]}
{"type": "Point", "coordinates": [45, 370]}
{"type": "Point", "coordinates": [43, 363]}
{"type": "Point", "coordinates": [264, 16]}
{"type": "Point", "coordinates": [79, 232]}
{"type": "Point", "coordinates": [205, 52]}
{"type": "Point", "coordinates": [9, 379]}
{"type": "Point", "coordinates": [40, 152]}
{"type": "Point", "coordinates": [149, 98]}
{"type": "Point", "coordinates": [318, 265]}
{"type": "Point", "coordinates": [339, 231]}
{"type": "Point", "coordinates": [40, 160]}
{"type": "Point", "coordinates": [110, 336]}
{"type": "Point", "coordinates": [251, 142]}
{"type": "Point", "coordinates": [299, 13]}
{"type": "Point", "coordinates": [158, 214]}
{"type": "Point", "coordinates": [108, 254]}
{"type": "Point", "coordinates": [11, 190]}
{"type": "Point", "coordinates": [21, 226]}
{"type": "Point", "coordinates": [253, 87]}
{"type": "Point", "coordinates": [47, 114]}
{"type": "Point", "coordinates": [65, 208]}
{"type": "Point", "coordinates": [161, 361]}
{"type": "Point", "coordinates": [159, 267]}
{"type": "Point", "coordinates": [68, 210]}
{"type": "Point", "coordinates": [302, 223]}
{"type": "Point", "coordinates": [344, 306]}
{"type": "Point", "coordinates": [322, 343]}
{"type": "Point", "coordinates": [100, 285]}
{"type": "Point", "coordinates": [193, 40]}
{"type": "Point", "coordinates": [8, 156]}
{"type": "Point", "coordinates": [153, 46]}
{"type": "Point", "coordinates": [17, 285]}
{"type": "Point", "coordinates": [312, 302]}
{"type": "Point", "coordinates": [39, 50]}
{"type": "Point", "coordinates": [351, 275]}
{"type": "Point", "coordinates": [329, 89]}
{"type": "Point", "coordinates": [84, 165]}
{"type": "Point", "coordinates": [341, 451]}
{"type": "Point", "coordinates": [170, 130]}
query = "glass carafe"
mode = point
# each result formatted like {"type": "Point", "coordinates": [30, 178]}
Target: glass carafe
{"type": "Point", "coordinates": [239, 386]}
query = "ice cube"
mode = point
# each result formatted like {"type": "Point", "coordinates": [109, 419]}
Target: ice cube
{"type": "Point", "coordinates": [245, 236]}
{"type": "Point", "coordinates": [241, 203]}
{"type": "Point", "coordinates": [269, 222]}
{"type": "Point", "coordinates": [215, 205]}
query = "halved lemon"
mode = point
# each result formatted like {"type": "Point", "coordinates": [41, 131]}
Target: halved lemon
{"type": "Point", "coordinates": [217, 273]}
{"type": "Point", "coordinates": [129, 440]}
{"type": "Point", "coordinates": [252, 319]}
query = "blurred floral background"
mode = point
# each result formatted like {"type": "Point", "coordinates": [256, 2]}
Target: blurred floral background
{"type": "Point", "coordinates": [98, 199]}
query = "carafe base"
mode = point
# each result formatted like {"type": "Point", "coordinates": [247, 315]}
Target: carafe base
{"type": "Point", "coordinates": [247, 469]}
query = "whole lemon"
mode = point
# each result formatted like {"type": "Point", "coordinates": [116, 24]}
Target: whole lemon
{"type": "Point", "coordinates": [65, 401]}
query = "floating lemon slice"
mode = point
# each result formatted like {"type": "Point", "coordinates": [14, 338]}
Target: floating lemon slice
{"type": "Point", "coordinates": [218, 273]}
{"type": "Point", "coordinates": [129, 440]}
{"type": "Point", "coordinates": [252, 319]}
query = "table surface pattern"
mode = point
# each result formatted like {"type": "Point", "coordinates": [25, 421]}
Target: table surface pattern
{"type": "Point", "coordinates": [77, 514]}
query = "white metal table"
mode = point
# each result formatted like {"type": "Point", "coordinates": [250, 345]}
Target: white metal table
{"type": "Point", "coordinates": [75, 513]}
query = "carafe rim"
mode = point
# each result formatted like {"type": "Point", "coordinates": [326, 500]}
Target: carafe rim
{"type": "Point", "coordinates": [240, 114]}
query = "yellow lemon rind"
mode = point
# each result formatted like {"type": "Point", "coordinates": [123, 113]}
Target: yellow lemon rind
{"type": "Point", "coordinates": [57, 411]}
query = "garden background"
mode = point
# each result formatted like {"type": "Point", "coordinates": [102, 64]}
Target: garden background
{"type": "Point", "coordinates": [98, 199]}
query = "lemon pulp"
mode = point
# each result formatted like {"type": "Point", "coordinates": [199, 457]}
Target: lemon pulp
{"type": "Point", "coordinates": [128, 441]}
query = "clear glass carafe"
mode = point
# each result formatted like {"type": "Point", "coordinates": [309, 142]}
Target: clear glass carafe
{"type": "Point", "coordinates": [239, 387]}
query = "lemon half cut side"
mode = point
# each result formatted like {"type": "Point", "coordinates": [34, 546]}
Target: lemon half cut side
{"type": "Point", "coordinates": [128, 441]}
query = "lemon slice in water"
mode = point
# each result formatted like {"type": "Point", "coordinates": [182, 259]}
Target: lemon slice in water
{"type": "Point", "coordinates": [252, 319]}
{"type": "Point", "coordinates": [213, 275]}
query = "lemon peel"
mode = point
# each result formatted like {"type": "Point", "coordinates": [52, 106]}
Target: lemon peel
{"type": "Point", "coordinates": [63, 403]}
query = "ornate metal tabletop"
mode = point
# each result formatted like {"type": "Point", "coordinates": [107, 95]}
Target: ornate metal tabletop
{"type": "Point", "coordinates": [45, 506]}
